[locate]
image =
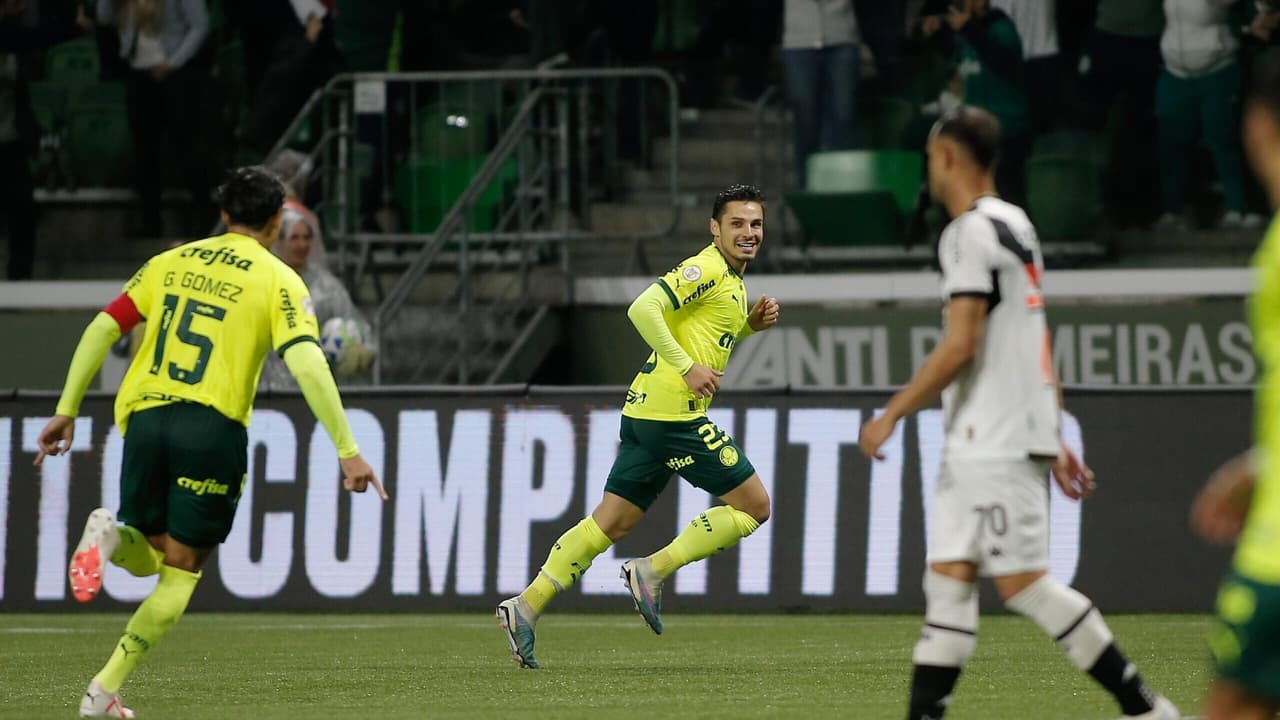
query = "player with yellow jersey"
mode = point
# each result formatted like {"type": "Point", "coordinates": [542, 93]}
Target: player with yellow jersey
{"type": "Point", "coordinates": [213, 310]}
{"type": "Point", "coordinates": [691, 318]}
{"type": "Point", "coordinates": [1242, 499]}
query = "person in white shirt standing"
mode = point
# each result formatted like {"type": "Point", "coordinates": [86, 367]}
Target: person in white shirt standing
{"type": "Point", "coordinates": [1198, 98]}
{"type": "Point", "coordinates": [1001, 403]}
{"type": "Point", "coordinates": [821, 67]}
{"type": "Point", "coordinates": [160, 41]}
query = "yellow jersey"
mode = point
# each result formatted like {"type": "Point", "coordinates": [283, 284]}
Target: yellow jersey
{"type": "Point", "coordinates": [707, 315]}
{"type": "Point", "coordinates": [1258, 554]}
{"type": "Point", "coordinates": [214, 308]}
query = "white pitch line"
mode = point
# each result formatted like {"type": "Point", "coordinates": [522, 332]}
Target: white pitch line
{"type": "Point", "coordinates": [45, 630]}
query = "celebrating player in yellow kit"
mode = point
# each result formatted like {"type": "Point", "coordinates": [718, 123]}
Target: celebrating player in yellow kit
{"type": "Point", "coordinates": [691, 318]}
{"type": "Point", "coordinates": [1242, 499]}
{"type": "Point", "coordinates": [214, 308]}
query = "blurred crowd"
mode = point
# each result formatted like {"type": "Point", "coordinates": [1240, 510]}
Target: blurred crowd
{"type": "Point", "coordinates": [1157, 84]}
{"type": "Point", "coordinates": [208, 84]}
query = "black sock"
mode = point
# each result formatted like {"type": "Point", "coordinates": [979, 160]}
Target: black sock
{"type": "Point", "coordinates": [931, 687]}
{"type": "Point", "coordinates": [1114, 672]}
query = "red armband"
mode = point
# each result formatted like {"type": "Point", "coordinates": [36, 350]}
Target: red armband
{"type": "Point", "coordinates": [124, 312]}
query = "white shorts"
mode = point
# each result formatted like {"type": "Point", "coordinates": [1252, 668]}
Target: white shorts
{"type": "Point", "coordinates": [993, 513]}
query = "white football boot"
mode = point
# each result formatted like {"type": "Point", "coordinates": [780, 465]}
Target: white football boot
{"type": "Point", "coordinates": [89, 561]}
{"type": "Point", "coordinates": [98, 702]}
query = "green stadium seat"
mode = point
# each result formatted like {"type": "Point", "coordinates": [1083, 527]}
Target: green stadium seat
{"type": "Point", "coordinates": [897, 171]}
{"type": "Point", "coordinates": [858, 197]}
{"type": "Point", "coordinates": [452, 132]}
{"type": "Point", "coordinates": [1062, 195]}
{"type": "Point", "coordinates": [833, 219]}
{"type": "Point", "coordinates": [1071, 142]}
{"type": "Point", "coordinates": [95, 94]}
{"type": "Point", "coordinates": [74, 61]}
{"type": "Point", "coordinates": [473, 96]}
{"type": "Point", "coordinates": [427, 187]}
{"type": "Point", "coordinates": [100, 147]}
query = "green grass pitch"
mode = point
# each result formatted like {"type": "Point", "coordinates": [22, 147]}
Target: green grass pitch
{"type": "Point", "coordinates": [595, 667]}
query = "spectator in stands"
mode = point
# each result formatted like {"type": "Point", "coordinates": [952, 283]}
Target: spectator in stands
{"type": "Point", "coordinates": [300, 246]}
{"type": "Point", "coordinates": [991, 75]}
{"type": "Point", "coordinates": [160, 39]}
{"type": "Point", "coordinates": [820, 61]}
{"type": "Point", "coordinates": [1038, 27]}
{"type": "Point", "coordinates": [301, 58]}
{"type": "Point", "coordinates": [1198, 93]}
{"type": "Point", "coordinates": [1119, 68]}
{"type": "Point", "coordinates": [18, 132]}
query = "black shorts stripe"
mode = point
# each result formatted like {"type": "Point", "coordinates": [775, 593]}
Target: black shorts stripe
{"type": "Point", "coordinates": [1071, 628]}
{"type": "Point", "coordinates": [951, 628]}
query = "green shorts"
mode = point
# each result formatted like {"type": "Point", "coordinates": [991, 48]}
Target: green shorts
{"type": "Point", "coordinates": [1246, 639]}
{"type": "Point", "coordinates": [652, 450]}
{"type": "Point", "coordinates": [184, 469]}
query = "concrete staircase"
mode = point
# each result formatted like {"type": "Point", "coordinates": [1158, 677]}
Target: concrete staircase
{"type": "Point", "coordinates": [716, 149]}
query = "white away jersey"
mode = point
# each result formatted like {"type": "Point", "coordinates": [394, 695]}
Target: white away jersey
{"type": "Point", "coordinates": [1003, 405]}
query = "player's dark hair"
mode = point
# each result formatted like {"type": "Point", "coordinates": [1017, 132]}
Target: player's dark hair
{"type": "Point", "coordinates": [976, 130]}
{"type": "Point", "coordinates": [250, 196]}
{"type": "Point", "coordinates": [1264, 87]}
{"type": "Point", "coordinates": [735, 193]}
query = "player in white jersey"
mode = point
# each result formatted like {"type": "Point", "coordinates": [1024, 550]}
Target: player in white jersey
{"type": "Point", "coordinates": [1001, 401]}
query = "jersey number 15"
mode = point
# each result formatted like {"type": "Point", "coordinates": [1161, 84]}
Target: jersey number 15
{"type": "Point", "coordinates": [186, 336]}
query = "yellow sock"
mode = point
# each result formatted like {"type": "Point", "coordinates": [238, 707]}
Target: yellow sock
{"type": "Point", "coordinates": [568, 560]}
{"type": "Point", "coordinates": [150, 623]}
{"type": "Point", "coordinates": [135, 554]}
{"type": "Point", "coordinates": [716, 529]}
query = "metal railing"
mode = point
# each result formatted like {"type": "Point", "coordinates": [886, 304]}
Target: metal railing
{"type": "Point", "coordinates": [773, 163]}
{"type": "Point", "coordinates": [452, 198]}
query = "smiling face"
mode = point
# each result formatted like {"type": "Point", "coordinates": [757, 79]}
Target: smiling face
{"type": "Point", "coordinates": [739, 232]}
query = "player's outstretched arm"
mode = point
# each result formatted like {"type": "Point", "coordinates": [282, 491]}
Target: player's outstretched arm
{"type": "Point", "coordinates": [966, 322]}
{"type": "Point", "coordinates": [57, 435]}
{"type": "Point", "coordinates": [306, 362]}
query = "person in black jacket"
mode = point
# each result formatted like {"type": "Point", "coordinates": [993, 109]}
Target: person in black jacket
{"type": "Point", "coordinates": [18, 132]}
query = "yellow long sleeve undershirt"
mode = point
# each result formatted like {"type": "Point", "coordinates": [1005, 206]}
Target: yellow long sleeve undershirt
{"type": "Point", "coordinates": [94, 344]}
{"type": "Point", "coordinates": [646, 313]}
{"type": "Point", "coordinates": [306, 361]}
